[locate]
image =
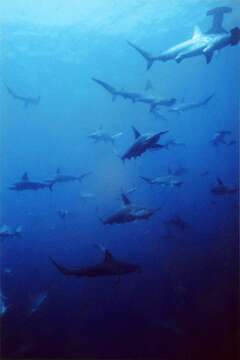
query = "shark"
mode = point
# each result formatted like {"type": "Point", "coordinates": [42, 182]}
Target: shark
{"type": "Point", "coordinates": [221, 189]}
{"type": "Point", "coordinates": [173, 143]}
{"type": "Point", "coordinates": [3, 304]}
{"type": "Point", "coordinates": [128, 213]}
{"type": "Point", "coordinates": [64, 178]}
{"type": "Point", "coordinates": [168, 180]}
{"type": "Point", "coordinates": [26, 100]}
{"type": "Point", "coordinates": [26, 184]}
{"type": "Point", "coordinates": [103, 136]}
{"type": "Point", "coordinates": [178, 222]}
{"type": "Point", "coordinates": [38, 300]}
{"type": "Point", "coordinates": [186, 107]}
{"type": "Point", "coordinates": [143, 143]}
{"type": "Point", "coordinates": [110, 266]}
{"type": "Point", "coordinates": [220, 137]}
{"type": "Point", "coordinates": [7, 232]}
{"type": "Point", "coordinates": [133, 96]}
{"type": "Point", "coordinates": [215, 39]}
{"type": "Point", "coordinates": [63, 213]}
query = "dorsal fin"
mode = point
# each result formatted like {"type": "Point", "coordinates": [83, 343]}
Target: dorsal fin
{"type": "Point", "coordinates": [219, 181]}
{"type": "Point", "coordinates": [125, 200]}
{"type": "Point", "coordinates": [196, 32]}
{"type": "Point", "coordinates": [136, 132]}
{"type": "Point", "coordinates": [25, 177]}
{"type": "Point", "coordinates": [108, 256]}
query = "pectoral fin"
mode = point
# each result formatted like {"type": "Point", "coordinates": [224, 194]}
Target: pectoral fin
{"type": "Point", "coordinates": [208, 52]}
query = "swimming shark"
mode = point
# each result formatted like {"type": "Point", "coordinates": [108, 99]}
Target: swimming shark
{"type": "Point", "coordinates": [174, 143]}
{"type": "Point", "coordinates": [168, 180]}
{"type": "Point", "coordinates": [178, 222]}
{"type": "Point", "coordinates": [133, 96]}
{"type": "Point", "coordinates": [108, 267]}
{"type": "Point", "coordinates": [7, 232]}
{"type": "Point", "coordinates": [64, 178]}
{"type": "Point", "coordinates": [221, 189]}
{"type": "Point", "coordinates": [186, 107]}
{"type": "Point", "coordinates": [26, 184]}
{"type": "Point", "coordinates": [3, 304]}
{"type": "Point", "coordinates": [128, 213]}
{"type": "Point", "coordinates": [219, 137]}
{"type": "Point", "coordinates": [143, 143]}
{"type": "Point", "coordinates": [216, 38]}
{"type": "Point", "coordinates": [38, 300]}
{"type": "Point", "coordinates": [63, 213]}
{"type": "Point", "coordinates": [102, 136]}
{"type": "Point", "coordinates": [26, 100]}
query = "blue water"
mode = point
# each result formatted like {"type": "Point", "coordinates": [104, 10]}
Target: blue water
{"type": "Point", "coordinates": [184, 303]}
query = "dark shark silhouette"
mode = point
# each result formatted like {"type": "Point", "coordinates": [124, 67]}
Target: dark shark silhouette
{"type": "Point", "coordinates": [143, 143]}
{"type": "Point", "coordinates": [128, 213]}
{"type": "Point", "coordinates": [26, 100]}
{"type": "Point", "coordinates": [220, 137]}
{"type": "Point", "coordinates": [115, 93]}
{"type": "Point", "coordinates": [108, 267]}
{"type": "Point", "coordinates": [26, 184]}
{"type": "Point", "coordinates": [216, 38]}
{"type": "Point", "coordinates": [221, 189]}
{"type": "Point", "coordinates": [168, 180]}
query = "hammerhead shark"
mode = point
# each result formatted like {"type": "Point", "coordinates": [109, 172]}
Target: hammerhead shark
{"type": "Point", "coordinates": [219, 137]}
{"type": "Point", "coordinates": [143, 143]}
{"type": "Point", "coordinates": [128, 213]}
{"type": "Point", "coordinates": [216, 38]}
{"type": "Point", "coordinates": [114, 92]}
{"type": "Point", "coordinates": [108, 267]}
{"type": "Point", "coordinates": [26, 100]}
{"type": "Point", "coordinates": [221, 189]}
{"type": "Point", "coordinates": [186, 107]}
{"type": "Point", "coordinates": [102, 136]}
{"type": "Point", "coordinates": [168, 180]}
{"type": "Point", "coordinates": [26, 184]}
{"type": "Point", "coordinates": [64, 178]}
{"type": "Point", "coordinates": [7, 232]}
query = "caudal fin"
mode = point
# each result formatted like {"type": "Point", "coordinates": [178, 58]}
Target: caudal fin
{"type": "Point", "coordinates": [149, 58]}
{"type": "Point", "coordinates": [60, 268]}
{"type": "Point", "coordinates": [235, 36]}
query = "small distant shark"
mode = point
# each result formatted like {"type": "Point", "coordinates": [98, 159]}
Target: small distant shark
{"type": "Point", "coordinates": [3, 304]}
{"type": "Point", "coordinates": [108, 267]}
{"type": "Point", "coordinates": [7, 232]}
{"type": "Point", "coordinates": [102, 136]}
{"type": "Point", "coordinates": [85, 196]}
{"type": "Point", "coordinates": [219, 137]}
{"type": "Point", "coordinates": [143, 143]}
{"type": "Point", "coordinates": [26, 184]}
{"type": "Point", "coordinates": [178, 222]}
{"type": "Point", "coordinates": [63, 213]}
{"type": "Point", "coordinates": [26, 100]}
{"type": "Point", "coordinates": [128, 213]}
{"type": "Point", "coordinates": [221, 189]}
{"type": "Point", "coordinates": [174, 143]}
{"type": "Point", "coordinates": [63, 178]}
{"type": "Point", "coordinates": [168, 180]}
{"type": "Point", "coordinates": [216, 38]}
{"type": "Point", "coordinates": [186, 107]}
{"type": "Point", "coordinates": [38, 301]}
{"type": "Point", "coordinates": [179, 171]}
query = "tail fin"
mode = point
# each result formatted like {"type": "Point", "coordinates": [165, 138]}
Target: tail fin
{"type": "Point", "coordinates": [60, 268]}
{"type": "Point", "coordinates": [148, 180]}
{"type": "Point", "coordinates": [99, 218]}
{"type": "Point", "coordinates": [150, 59]}
{"type": "Point", "coordinates": [50, 185]}
{"type": "Point", "coordinates": [81, 177]}
{"type": "Point", "coordinates": [18, 231]}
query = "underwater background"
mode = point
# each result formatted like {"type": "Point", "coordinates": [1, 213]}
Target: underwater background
{"type": "Point", "coordinates": [184, 304]}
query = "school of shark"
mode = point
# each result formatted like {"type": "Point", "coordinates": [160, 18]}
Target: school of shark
{"type": "Point", "coordinates": [202, 43]}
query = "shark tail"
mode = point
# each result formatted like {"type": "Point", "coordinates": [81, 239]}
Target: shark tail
{"type": "Point", "coordinates": [61, 268]}
{"type": "Point", "coordinates": [148, 180]}
{"type": "Point", "coordinates": [50, 185]}
{"type": "Point", "coordinates": [149, 58]}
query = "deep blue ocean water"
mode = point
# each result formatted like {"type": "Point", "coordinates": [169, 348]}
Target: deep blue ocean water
{"type": "Point", "coordinates": [184, 303]}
